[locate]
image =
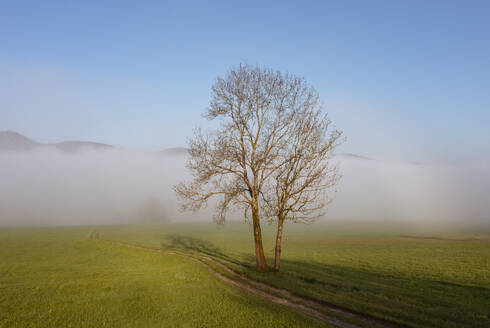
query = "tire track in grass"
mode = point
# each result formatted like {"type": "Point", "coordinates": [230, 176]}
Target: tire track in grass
{"type": "Point", "coordinates": [304, 305]}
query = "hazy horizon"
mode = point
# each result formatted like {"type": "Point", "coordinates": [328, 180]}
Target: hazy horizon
{"type": "Point", "coordinates": [46, 186]}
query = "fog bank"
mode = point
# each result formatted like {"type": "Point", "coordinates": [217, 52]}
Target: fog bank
{"type": "Point", "coordinates": [90, 186]}
{"type": "Point", "coordinates": [49, 187]}
{"type": "Point", "coordinates": [378, 190]}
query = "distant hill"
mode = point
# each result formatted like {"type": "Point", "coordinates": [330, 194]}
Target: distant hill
{"type": "Point", "coordinates": [70, 146]}
{"type": "Point", "coordinates": [350, 155]}
{"type": "Point", "coordinates": [176, 151]}
{"type": "Point", "coordinates": [10, 140]}
{"type": "Point", "coordinates": [182, 151]}
{"type": "Point", "coordinates": [13, 141]}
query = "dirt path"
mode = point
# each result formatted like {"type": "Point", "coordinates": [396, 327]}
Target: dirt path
{"type": "Point", "coordinates": [310, 307]}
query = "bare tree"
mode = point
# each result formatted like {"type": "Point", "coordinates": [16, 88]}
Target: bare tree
{"type": "Point", "coordinates": [245, 161]}
{"type": "Point", "coordinates": [299, 188]}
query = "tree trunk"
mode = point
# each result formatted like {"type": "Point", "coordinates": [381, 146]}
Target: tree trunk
{"type": "Point", "coordinates": [277, 255]}
{"type": "Point", "coordinates": [261, 264]}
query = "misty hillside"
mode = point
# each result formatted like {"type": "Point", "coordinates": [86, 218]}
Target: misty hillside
{"type": "Point", "coordinates": [70, 146]}
{"type": "Point", "coordinates": [176, 151]}
{"type": "Point", "coordinates": [10, 140]}
{"type": "Point", "coordinates": [355, 156]}
{"type": "Point", "coordinates": [182, 151]}
{"type": "Point", "coordinates": [13, 141]}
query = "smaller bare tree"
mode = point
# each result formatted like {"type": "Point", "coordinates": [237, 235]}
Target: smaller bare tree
{"type": "Point", "coordinates": [300, 189]}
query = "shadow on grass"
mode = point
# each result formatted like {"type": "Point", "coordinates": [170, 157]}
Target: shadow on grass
{"type": "Point", "coordinates": [416, 301]}
{"type": "Point", "coordinates": [196, 245]}
{"type": "Point", "coordinates": [410, 300]}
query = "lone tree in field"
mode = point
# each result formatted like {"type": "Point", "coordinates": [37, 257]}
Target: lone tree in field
{"type": "Point", "coordinates": [270, 155]}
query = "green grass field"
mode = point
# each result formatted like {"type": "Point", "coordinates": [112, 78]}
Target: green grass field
{"type": "Point", "coordinates": [57, 277]}
{"type": "Point", "coordinates": [60, 276]}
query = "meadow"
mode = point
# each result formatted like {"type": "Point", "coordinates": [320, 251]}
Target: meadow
{"type": "Point", "coordinates": [85, 277]}
{"type": "Point", "coordinates": [59, 277]}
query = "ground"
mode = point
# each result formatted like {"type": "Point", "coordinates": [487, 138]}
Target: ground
{"type": "Point", "coordinates": [61, 278]}
{"type": "Point", "coordinates": [83, 277]}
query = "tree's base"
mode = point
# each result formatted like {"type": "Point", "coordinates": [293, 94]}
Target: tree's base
{"type": "Point", "coordinates": [266, 269]}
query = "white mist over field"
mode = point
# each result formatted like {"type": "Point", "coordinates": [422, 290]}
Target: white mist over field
{"type": "Point", "coordinates": [50, 187]}
{"type": "Point", "coordinates": [377, 190]}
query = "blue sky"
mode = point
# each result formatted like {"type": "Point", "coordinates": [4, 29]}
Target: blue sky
{"type": "Point", "coordinates": [405, 80]}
